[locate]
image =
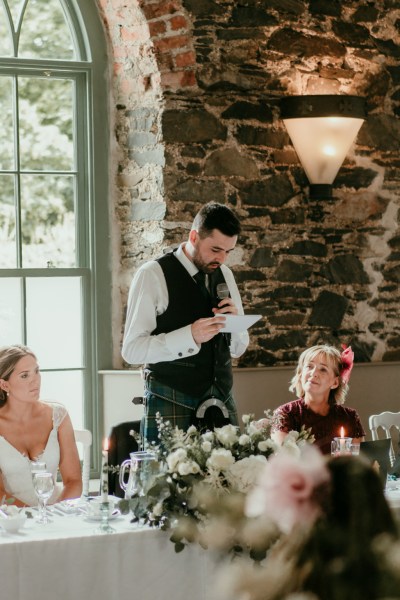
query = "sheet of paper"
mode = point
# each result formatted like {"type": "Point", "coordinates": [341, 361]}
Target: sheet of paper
{"type": "Point", "coordinates": [238, 323]}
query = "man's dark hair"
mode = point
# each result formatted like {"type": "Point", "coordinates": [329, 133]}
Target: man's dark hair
{"type": "Point", "coordinates": [216, 216]}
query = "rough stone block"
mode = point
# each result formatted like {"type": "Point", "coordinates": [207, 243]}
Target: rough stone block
{"type": "Point", "coordinates": [328, 310]}
{"type": "Point", "coordinates": [289, 270]}
{"type": "Point", "coordinates": [308, 248]}
{"type": "Point", "coordinates": [152, 157]}
{"type": "Point", "coordinates": [229, 162]}
{"type": "Point", "coordinates": [292, 339]}
{"type": "Point", "coordinates": [263, 257]}
{"type": "Point", "coordinates": [274, 191]}
{"type": "Point", "coordinates": [243, 110]}
{"type": "Point", "coordinates": [191, 126]}
{"type": "Point", "coordinates": [296, 43]}
{"type": "Point", "coordinates": [141, 138]}
{"type": "Point", "coordinates": [148, 211]}
{"type": "Point", "coordinates": [345, 268]}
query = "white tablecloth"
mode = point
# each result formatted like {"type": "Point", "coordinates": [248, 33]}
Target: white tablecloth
{"type": "Point", "coordinates": [68, 561]}
{"type": "Point", "coordinates": [393, 497]}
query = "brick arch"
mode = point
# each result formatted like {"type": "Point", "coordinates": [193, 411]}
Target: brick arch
{"type": "Point", "coordinates": [170, 28]}
{"type": "Point", "coordinates": [162, 29]}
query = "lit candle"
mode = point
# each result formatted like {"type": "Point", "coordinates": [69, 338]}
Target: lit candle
{"type": "Point", "coordinates": [342, 441]}
{"type": "Point", "coordinates": [104, 472]}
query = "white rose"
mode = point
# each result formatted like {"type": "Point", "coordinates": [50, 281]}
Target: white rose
{"type": "Point", "coordinates": [265, 445]}
{"type": "Point", "coordinates": [220, 459]}
{"type": "Point", "coordinates": [227, 435]}
{"type": "Point", "coordinates": [175, 458]}
{"type": "Point", "coordinates": [253, 428]}
{"type": "Point", "coordinates": [289, 445]}
{"type": "Point", "coordinates": [208, 436]}
{"type": "Point", "coordinates": [244, 473]}
{"type": "Point", "coordinates": [206, 446]}
{"type": "Point", "coordinates": [244, 439]}
{"type": "Point", "coordinates": [192, 429]}
{"type": "Point", "coordinates": [188, 467]}
{"type": "Point", "coordinates": [245, 419]}
{"type": "Point", "coordinates": [183, 468]}
{"type": "Point", "coordinates": [194, 467]}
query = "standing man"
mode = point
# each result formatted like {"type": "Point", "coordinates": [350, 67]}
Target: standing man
{"type": "Point", "coordinates": [171, 327]}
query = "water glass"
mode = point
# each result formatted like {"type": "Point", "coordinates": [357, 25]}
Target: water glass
{"type": "Point", "coordinates": [43, 483]}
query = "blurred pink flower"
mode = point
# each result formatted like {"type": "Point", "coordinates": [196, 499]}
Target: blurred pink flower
{"type": "Point", "coordinates": [261, 423]}
{"type": "Point", "coordinates": [285, 490]}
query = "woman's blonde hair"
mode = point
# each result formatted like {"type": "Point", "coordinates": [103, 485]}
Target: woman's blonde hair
{"type": "Point", "coordinates": [9, 356]}
{"type": "Point", "coordinates": [334, 359]}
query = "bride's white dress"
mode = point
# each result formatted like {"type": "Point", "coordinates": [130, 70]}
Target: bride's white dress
{"type": "Point", "coordinates": [15, 467]}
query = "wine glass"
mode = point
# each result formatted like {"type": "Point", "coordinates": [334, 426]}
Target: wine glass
{"type": "Point", "coordinates": [37, 466]}
{"type": "Point", "coordinates": [43, 483]}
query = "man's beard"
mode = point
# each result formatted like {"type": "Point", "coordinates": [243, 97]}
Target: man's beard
{"type": "Point", "coordinates": [205, 267]}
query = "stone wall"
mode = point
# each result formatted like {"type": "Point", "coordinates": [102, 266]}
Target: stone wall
{"type": "Point", "coordinates": [195, 101]}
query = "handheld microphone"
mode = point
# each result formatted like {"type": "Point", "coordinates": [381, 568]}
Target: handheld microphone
{"type": "Point", "coordinates": [222, 291]}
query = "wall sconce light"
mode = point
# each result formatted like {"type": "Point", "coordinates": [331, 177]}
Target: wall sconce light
{"type": "Point", "coordinates": [322, 129]}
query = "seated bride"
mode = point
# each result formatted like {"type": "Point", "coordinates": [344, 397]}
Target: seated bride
{"type": "Point", "coordinates": [32, 430]}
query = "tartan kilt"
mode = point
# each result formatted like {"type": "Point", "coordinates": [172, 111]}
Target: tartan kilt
{"type": "Point", "coordinates": [176, 407]}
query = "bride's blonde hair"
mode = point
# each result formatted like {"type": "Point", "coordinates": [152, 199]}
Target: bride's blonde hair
{"type": "Point", "coordinates": [9, 356]}
{"type": "Point", "coordinates": [334, 359]}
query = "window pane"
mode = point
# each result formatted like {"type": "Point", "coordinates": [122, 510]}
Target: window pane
{"type": "Point", "coordinates": [45, 32]}
{"type": "Point", "coordinates": [10, 312]}
{"type": "Point", "coordinates": [65, 387]}
{"type": "Point", "coordinates": [15, 7]}
{"type": "Point", "coordinates": [54, 324]}
{"type": "Point", "coordinates": [6, 123]}
{"type": "Point", "coordinates": [46, 130]}
{"type": "Point", "coordinates": [48, 220]}
{"type": "Point", "coordinates": [8, 252]}
{"type": "Point", "coordinates": [6, 48]}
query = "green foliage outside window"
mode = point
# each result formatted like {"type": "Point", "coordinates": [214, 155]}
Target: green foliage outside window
{"type": "Point", "coordinates": [37, 138]}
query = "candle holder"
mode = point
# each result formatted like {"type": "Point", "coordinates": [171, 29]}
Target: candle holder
{"type": "Point", "coordinates": [105, 526]}
{"type": "Point", "coordinates": [341, 446]}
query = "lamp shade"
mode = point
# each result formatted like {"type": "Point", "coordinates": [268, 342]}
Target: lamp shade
{"type": "Point", "coordinates": [322, 129]}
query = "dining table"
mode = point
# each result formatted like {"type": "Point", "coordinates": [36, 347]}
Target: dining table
{"type": "Point", "coordinates": [70, 558]}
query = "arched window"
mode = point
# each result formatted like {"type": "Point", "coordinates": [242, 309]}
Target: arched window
{"type": "Point", "coordinates": [53, 210]}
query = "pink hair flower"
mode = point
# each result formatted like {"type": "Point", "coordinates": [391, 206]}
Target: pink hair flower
{"type": "Point", "coordinates": [347, 363]}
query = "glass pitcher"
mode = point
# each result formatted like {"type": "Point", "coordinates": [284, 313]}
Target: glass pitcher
{"type": "Point", "coordinates": [143, 468]}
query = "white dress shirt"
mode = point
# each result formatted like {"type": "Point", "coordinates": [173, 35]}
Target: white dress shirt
{"type": "Point", "coordinates": [148, 297]}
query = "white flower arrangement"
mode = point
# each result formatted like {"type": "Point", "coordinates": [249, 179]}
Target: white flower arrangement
{"type": "Point", "coordinates": [200, 470]}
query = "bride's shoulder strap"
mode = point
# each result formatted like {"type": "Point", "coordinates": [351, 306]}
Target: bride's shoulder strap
{"type": "Point", "coordinates": [59, 413]}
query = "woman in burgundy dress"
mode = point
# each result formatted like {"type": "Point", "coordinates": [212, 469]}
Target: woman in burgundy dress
{"type": "Point", "coordinates": [321, 384]}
